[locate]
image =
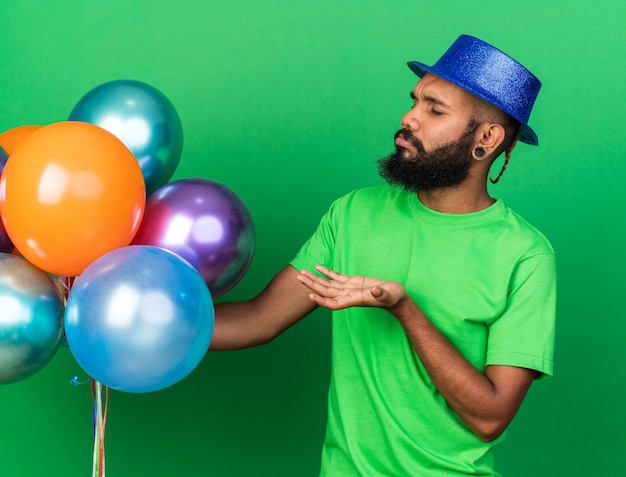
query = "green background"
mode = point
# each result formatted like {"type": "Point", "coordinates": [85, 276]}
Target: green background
{"type": "Point", "coordinates": [289, 103]}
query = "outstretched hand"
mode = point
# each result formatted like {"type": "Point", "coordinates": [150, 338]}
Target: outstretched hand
{"type": "Point", "coordinates": [339, 291]}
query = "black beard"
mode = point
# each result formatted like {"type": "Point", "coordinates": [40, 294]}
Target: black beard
{"type": "Point", "coordinates": [445, 166]}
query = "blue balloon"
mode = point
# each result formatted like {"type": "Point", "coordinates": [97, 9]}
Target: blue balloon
{"type": "Point", "coordinates": [143, 118]}
{"type": "Point", "coordinates": [31, 319]}
{"type": "Point", "coordinates": [139, 319]}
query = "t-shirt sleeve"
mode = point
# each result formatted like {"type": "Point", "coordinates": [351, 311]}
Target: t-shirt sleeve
{"type": "Point", "coordinates": [523, 335]}
{"type": "Point", "coordinates": [318, 250]}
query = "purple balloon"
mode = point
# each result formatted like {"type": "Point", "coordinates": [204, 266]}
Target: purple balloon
{"type": "Point", "coordinates": [5, 242]}
{"type": "Point", "coordinates": [3, 158]}
{"type": "Point", "coordinates": [205, 223]}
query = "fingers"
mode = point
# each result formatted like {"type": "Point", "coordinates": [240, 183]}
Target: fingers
{"type": "Point", "coordinates": [379, 294]}
{"type": "Point", "coordinates": [331, 273]}
{"type": "Point", "coordinates": [327, 292]}
{"type": "Point", "coordinates": [318, 283]}
{"type": "Point", "coordinates": [324, 302]}
{"type": "Point", "coordinates": [307, 274]}
{"type": "Point", "coordinates": [337, 291]}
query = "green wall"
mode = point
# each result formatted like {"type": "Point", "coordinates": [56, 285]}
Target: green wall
{"type": "Point", "coordinates": [289, 103]}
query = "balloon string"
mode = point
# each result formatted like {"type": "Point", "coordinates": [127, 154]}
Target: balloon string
{"type": "Point", "coordinates": [64, 285]}
{"type": "Point", "coordinates": [100, 413]}
{"type": "Point", "coordinates": [104, 423]}
{"type": "Point", "coordinates": [94, 470]}
{"type": "Point", "coordinates": [75, 382]}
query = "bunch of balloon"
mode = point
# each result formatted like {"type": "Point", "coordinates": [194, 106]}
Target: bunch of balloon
{"type": "Point", "coordinates": [207, 224]}
{"type": "Point", "coordinates": [139, 318]}
{"type": "Point", "coordinates": [139, 259]}
{"type": "Point", "coordinates": [31, 307]}
{"type": "Point", "coordinates": [69, 193]}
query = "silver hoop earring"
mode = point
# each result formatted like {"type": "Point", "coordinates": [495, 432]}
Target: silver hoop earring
{"type": "Point", "coordinates": [479, 152]}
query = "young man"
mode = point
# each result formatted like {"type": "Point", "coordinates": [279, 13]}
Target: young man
{"type": "Point", "coordinates": [443, 298]}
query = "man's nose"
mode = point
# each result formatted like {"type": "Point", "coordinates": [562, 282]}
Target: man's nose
{"type": "Point", "coordinates": [411, 120]}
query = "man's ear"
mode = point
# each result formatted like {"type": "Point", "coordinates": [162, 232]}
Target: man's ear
{"type": "Point", "coordinates": [490, 136]}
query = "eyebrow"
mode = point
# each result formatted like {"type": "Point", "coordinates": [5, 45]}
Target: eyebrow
{"type": "Point", "coordinates": [430, 99]}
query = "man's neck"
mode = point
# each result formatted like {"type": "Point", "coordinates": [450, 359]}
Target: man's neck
{"type": "Point", "coordinates": [456, 200]}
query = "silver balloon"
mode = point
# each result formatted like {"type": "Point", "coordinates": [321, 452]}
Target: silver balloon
{"type": "Point", "coordinates": [31, 319]}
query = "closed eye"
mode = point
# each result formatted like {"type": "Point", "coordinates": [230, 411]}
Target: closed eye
{"type": "Point", "coordinates": [432, 100]}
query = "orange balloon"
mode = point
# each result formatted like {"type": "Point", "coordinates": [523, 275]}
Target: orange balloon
{"type": "Point", "coordinates": [70, 193]}
{"type": "Point", "coordinates": [12, 137]}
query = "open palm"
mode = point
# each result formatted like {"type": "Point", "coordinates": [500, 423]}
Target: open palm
{"type": "Point", "coordinates": [338, 291]}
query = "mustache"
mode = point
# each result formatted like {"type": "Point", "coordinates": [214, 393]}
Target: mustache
{"type": "Point", "coordinates": [408, 135]}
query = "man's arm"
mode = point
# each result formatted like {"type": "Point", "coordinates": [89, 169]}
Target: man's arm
{"type": "Point", "coordinates": [258, 321]}
{"type": "Point", "coordinates": [486, 402]}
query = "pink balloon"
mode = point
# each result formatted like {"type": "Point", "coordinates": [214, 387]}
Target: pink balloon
{"type": "Point", "coordinates": [205, 223]}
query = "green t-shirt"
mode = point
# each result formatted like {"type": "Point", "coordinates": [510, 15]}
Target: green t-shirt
{"type": "Point", "coordinates": [487, 280]}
